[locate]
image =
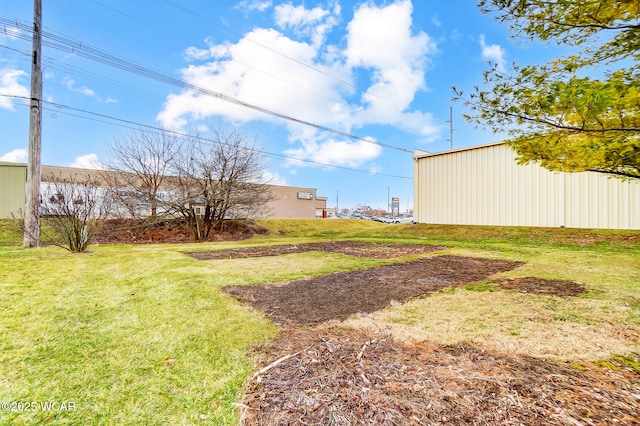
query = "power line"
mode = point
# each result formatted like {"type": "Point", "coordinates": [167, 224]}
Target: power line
{"type": "Point", "coordinates": [185, 40]}
{"type": "Point", "coordinates": [137, 125]}
{"type": "Point", "coordinates": [96, 77]}
{"type": "Point", "coordinates": [269, 48]}
{"type": "Point", "coordinates": [62, 43]}
{"type": "Point", "coordinates": [264, 46]}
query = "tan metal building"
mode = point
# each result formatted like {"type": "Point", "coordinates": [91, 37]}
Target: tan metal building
{"type": "Point", "coordinates": [484, 185]}
{"type": "Point", "coordinates": [288, 201]}
{"type": "Point", "coordinates": [13, 177]}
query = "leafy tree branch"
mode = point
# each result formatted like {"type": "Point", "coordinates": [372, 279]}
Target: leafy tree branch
{"type": "Point", "coordinates": [567, 114]}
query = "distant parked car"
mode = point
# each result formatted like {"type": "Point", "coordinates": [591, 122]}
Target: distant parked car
{"type": "Point", "coordinates": [402, 219]}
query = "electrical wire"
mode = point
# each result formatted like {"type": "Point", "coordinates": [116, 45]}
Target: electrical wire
{"type": "Point", "coordinates": [129, 124]}
{"type": "Point", "coordinates": [64, 44]}
{"type": "Point", "coordinates": [269, 48]}
{"type": "Point", "coordinates": [234, 60]}
{"type": "Point", "coordinates": [185, 40]}
{"type": "Point", "coordinates": [264, 46]}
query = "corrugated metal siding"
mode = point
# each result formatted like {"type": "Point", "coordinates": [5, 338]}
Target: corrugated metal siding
{"type": "Point", "coordinates": [12, 181]}
{"type": "Point", "coordinates": [485, 186]}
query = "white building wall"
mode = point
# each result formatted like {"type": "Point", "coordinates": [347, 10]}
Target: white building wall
{"type": "Point", "coordinates": [485, 186]}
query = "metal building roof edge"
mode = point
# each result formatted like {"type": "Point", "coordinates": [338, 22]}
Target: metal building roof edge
{"type": "Point", "coordinates": [417, 154]}
{"type": "Point", "coordinates": [12, 164]}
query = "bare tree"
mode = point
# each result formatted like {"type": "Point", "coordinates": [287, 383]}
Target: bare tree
{"type": "Point", "coordinates": [218, 179]}
{"type": "Point", "coordinates": [72, 210]}
{"type": "Point", "coordinates": [139, 164]}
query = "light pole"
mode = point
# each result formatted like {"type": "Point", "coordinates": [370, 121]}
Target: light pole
{"type": "Point", "coordinates": [388, 202]}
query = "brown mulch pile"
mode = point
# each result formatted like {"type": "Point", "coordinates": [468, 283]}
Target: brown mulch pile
{"type": "Point", "coordinates": [338, 296]}
{"type": "Point", "coordinates": [370, 250]}
{"type": "Point", "coordinates": [149, 231]}
{"type": "Point", "coordinates": [340, 376]}
{"type": "Point", "coordinates": [541, 286]}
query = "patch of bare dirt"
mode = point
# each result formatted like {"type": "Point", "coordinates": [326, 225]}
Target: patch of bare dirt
{"type": "Point", "coordinates": [338, 296]}
{"type": "Point", "coordinates": [370, 250]}
{"type": "Point", "coordinates": [338, 376]}
{"type": "Point", "coordinates": [535, 285]}
{"type": "Point", "coordinates": [148, 231]}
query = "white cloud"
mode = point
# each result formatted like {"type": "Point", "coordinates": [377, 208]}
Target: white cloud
{"type": "Point", "coordinates": [88, 161]}
{"type": "Point", "coordinates": [298, 74]}
{"type": "Point", "coordinates": [295, 16]}
{"type": "Point", "coordinates": [273, 178]}
{"type": "Point", "coordinates": [380, 38]}
{"type": "Point", "coordinates": [70, 84]}
{"type": "Point", "coordinates": [16, 156]}
{"type": "Point", "coordinates": [314, 23]}
{"type": "Point", "coordinates": [335, 152]}
{"type": "Point", "coordinates": [248, 72]}
{"type": "Point", "coordinates": [10, 85]}
{"type": "Point", "coordinates": [251, 5]}
{"type": "Point", "coordinates": [494, 53]}
{"type": "Point", "coordinates": [212, 51]}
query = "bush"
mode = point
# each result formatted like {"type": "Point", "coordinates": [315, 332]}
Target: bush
{"type": "Point", "coordinates": [71, 211]}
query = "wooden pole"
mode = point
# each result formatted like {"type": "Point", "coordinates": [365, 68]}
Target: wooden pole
{"type": "Point", "coordinates": [32, 189]}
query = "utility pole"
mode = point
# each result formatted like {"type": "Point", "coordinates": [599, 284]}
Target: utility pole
{"type": "Point", "coordinates": [32, 189]}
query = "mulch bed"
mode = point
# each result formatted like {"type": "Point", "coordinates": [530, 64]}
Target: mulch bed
{"type": "Point", "coordinates": [158, 230]}
{"type": "Point", "coordinates": [319, 374]}
{"type": "Point", "coordinates": [370, 250]}
{"type": "Point", "coordinates": [338, 376]}
{"type": "Point", "coordinates": [338, 296]}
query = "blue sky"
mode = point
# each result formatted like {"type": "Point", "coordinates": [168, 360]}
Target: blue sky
{"type": "Point", "coordinates": [381, 71]}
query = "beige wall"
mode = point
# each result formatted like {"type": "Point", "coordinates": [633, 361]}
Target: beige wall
{"type": "Point", "coordinates": [485, 186]}
{"type": "Point", "coordinates": [287, 204]}
{"type": "Point", "coordinates": [13, 177]}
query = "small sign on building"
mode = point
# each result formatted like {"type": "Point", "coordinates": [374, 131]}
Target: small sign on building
{"type": "Point", "coordinates": [305, 196]}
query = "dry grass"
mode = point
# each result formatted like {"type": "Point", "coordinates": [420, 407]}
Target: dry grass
{"type": "Point", "coordinates": [143, 335]}
{"type": "Point", "coordinates": [597, 325]}
{"type": "Point", "coordinates": [546, 327]}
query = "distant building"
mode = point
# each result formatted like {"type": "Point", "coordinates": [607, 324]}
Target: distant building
{"type": "Point", "coordinates": [484, 185]}
{"type": "Point", "coordinates": [13, 178]}
{"type": "Point", "coordinates": [288, 201]}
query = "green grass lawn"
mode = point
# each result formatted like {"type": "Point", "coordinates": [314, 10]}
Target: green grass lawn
{"type": "Point", "coordinates": [143, 334]}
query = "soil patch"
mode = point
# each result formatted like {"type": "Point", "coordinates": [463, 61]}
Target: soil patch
{"type": "Point", "coordinates": [370, 250]}
{"type": "Point", "coordinates": [150, 231]}
{"type": "Point", "coordinates": [338, 296]}
{"type": "Point", "coordinates": [541, 286]}
{"type": "Point", "coordinates": [338, 376]}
